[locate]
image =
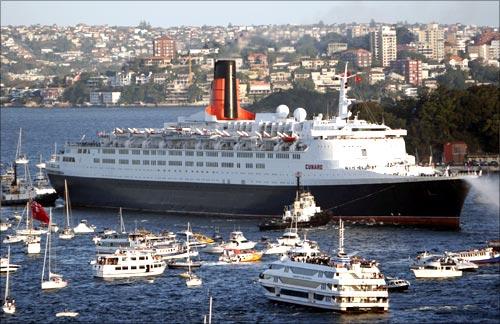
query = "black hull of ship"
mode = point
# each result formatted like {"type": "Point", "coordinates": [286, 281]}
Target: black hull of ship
{"type": "Point", "coordinates": [436, 202]}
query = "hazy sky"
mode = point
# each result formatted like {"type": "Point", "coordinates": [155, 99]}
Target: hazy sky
{"type": "Point", "coordinates": [197, 13]}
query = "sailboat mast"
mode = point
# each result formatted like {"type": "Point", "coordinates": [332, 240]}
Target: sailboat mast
{"type": "Point", "coordinates": [7, 279]}
{"type": "Point", "coordinates": [210, 311]}
{"type": "Point", "coordinates": [122, 225]}
{"type": "Point", "coordinates": [47, 247]}
{"type": "Point", "coordinates": [66, 198]}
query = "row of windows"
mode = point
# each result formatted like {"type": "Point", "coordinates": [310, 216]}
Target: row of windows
{"type": "Point", "coordinates": [258, 155]}
{"type": "Point", "coordinates": [68, 159]}
{"type": "Point", "coordinates": [179, 163]}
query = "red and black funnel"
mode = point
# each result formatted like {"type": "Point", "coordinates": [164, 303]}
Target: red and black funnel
{"type": "Point", "coordinates": [225, 103]}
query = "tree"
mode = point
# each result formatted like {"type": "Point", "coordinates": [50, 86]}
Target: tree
{"type": "Point", "coordinates": [306, 84]}
{"type": "Point", "coordinates": [452, 79]}
{"type": "Point", "coordinates": [194, 93]}
{"type": "Point", "coordinates": [404, 36]}
{"type": "Point", "coordinates": [307, 46]}
{"type": "Point", "coordinates": [411, 55]}
{"type": "Point", "coordinates": [482, 73]}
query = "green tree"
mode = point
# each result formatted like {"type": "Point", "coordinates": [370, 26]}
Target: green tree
{"type": "Point", "coordinates": [307, 46]}
{"type": "Point", "coordinates": [453, 79]}
{"type": "Point", "coordinates": [404, 36]}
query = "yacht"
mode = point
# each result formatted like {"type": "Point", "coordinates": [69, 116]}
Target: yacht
{"type": "Point", "coordinates": [309, 277]}
{"type": "Point", "coordinates": [67, 233]}
{"type": "Point", "coordinates": [33, 244]}
{"type": "Point", "coordinates": [84, 228]}
{"type": "Point", "coordinates": [238, 241]}
{"type": "Point", "coordinates": [128, 263]}
{"type": "Point", "coordinates": [52, 280]}
{"type": "Point", "coordinates": [9, 304]}
{"type": "Point", "coordinates": [4, 225]}
{"type": "Point", "coordinates": [437, 268]}
{"type": "Point", "coordinates": [287, 241]}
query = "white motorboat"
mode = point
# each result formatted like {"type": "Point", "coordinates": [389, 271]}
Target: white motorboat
{"type": "Point", "coordinates": [397, 284]}
{"type": "Point", "coordinates": [193, 280]}
{"type": "Point", "coordinates": [4, 225]}
{"type": "Point", "coordinates": [128, 263]}
{"type": "Point", "coordinates": [9, 304]}
{"type": "Point", "coordinates": [464, 265]}
{"type": "Point", "coordinates": [84, 228]}
{"type": "Point", "coordinates": [11, 239]}
{"type": "Point", "coordinates": [287, 241]}
{"type": "Point", "coordinates": [54, 280]}
{"type": "Point", "coordinates": [214, 248]}
{"type": "Point", "coordinates": [238, 241]}
{"type": "Point", "coordinates": [33, 244]}
{"type": "Point", "coordinates": [6, 266]}
{"type": "Point", "coordinates": [437, 268]}
{"type": "Point", "coordinates": [67, 233]}
{"type": "Point", "coordinates": [67, 313]}
{"type": "Point", "coordinates": [309, 277]}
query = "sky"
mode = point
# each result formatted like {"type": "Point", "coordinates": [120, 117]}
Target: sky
{"type": "Point", "coordinates": [198, 13]}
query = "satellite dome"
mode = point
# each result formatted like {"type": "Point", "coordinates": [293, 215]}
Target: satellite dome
{"type": "Point", "coordinates": [282, 111]}
{"type": "Point", "coordinates": [300, 114]}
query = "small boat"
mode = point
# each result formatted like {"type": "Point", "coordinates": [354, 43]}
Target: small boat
{"type": "Point", "coordinates": [188, 263]}
{"type": "Point", "coordinates": [465, 265]}
{"type": "Point", "coordinates": [203, 238]}
{"type": "Point", "coordinates": [193, 280]}
{"type": "Point", "coordinates": [67, 313]}
{"type": "Point", "coordinates": [84, 228]}
{"type": "Point", "coordinates": [287, 241]}
{"type": "Point", "coordinates": [67, 233]}
{"type": "Point", "coordinates": [437, 268]}
{"type": "Point", "coordinates": [54, 280]}
{"type": "Point", "coordinates": [11, 239]}
{"type": "Point", "coordinates": [9, 304]}
{"type": "Point", "coordinates": [213, 248]}
{"type": "Point", "coordinates": [396, 284]}
{"type": "Point", "coordinates": [238, 241]}
{"type": "Point", "coordinates": [237, 256]}
{"type": "Point", "coordinates": [484, 255]}
{"type": "Point", "coordinates": [33, 245]}
{"type": "Point", "coordinates": [4, 226]}
{"type": "Point", "coordinates": [6, 266]}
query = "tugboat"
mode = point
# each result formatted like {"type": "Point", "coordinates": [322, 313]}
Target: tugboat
{"type": "Point", "coordinates": [303, 212]}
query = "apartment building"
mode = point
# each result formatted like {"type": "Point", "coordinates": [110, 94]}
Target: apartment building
{"type": "Point", "coordinates": [383, 45]}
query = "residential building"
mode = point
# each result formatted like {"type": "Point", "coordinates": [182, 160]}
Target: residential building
{"type": "Point", "coordinates": [410, 69]}
{"type": "Point", "coordinates": [259, 88]}
{"type": "Point", "coordinates": [164, 47]}
{"type": "Point", "coordinates": [433, 37]}
{"type": "Point", "coordinates": [458, 62]}
{"type": "Point", "coordinates": [336, 48]}
{"type": "Point", "coordinates": [359, 57]}
{"type": "Point", "coordinates": [376, 75]}
{"type": "Point", "coordinates": [325, 80]}
{"type": "Point", "coordinates": [383, 45]}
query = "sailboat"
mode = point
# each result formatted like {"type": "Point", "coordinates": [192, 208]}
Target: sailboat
{"type": "Point", "coordinates": [188, 263]}
{"type": "Point", "coordinates": [67, 233]}
{"type": "Point", "coordinates": [54, 281]}
{"type": "Point", "coordinates": [9, 304]}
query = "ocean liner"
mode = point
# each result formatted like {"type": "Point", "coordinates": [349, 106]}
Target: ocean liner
{"type": "Point", "coordinates": [227, 161]}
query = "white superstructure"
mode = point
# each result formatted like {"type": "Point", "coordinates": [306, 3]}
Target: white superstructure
{"type": "Point", "coordinates": [128, 263]}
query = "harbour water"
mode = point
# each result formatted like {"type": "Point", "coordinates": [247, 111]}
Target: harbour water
{"type": "Point", "coordinates": [237, 296]}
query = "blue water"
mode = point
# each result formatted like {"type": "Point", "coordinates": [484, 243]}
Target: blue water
{"type": "Point", "coordinates": [237, 296]}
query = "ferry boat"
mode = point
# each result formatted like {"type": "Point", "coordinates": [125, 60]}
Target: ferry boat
{"type": "Point", "coordinates": [128, 263]}
{"type": "Point", "coordinates": [311, 278]}
{"type": "Point", "coordinates": [484, 255]}
{"type": "Point", "coordinates": [397, 284]}
{"type": "Point", "coordinates": [228, 161]}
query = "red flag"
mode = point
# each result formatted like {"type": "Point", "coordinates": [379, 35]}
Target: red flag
{"type": "Point", "coordinates": [357, 79]}
{"type": "Point", "coordinates": [39, 213]}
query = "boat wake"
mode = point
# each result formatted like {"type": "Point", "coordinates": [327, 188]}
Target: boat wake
{"type": "Point", "coordinates": [487, 188]}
